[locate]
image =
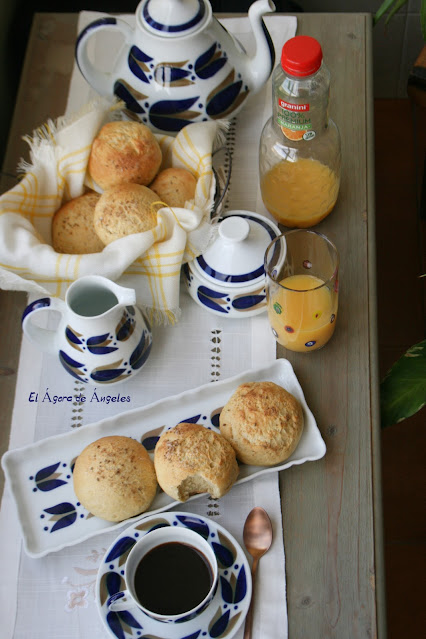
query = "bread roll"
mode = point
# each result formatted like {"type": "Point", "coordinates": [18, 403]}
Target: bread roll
{"type": "Point", "coordinates": [174, 186]}
{"type": "Point", "coordinates": [114, 478]}
{"type": "Point", "coordinates": [124, 152]}
{"type": "Point", "coordinates": [190, 459]}
{"type": "Point", "coordinates": [123, 210]}
{"type": "Point", "coordinates": [73, 228]}
{"type": "Point", "coordinates": [263, 422]}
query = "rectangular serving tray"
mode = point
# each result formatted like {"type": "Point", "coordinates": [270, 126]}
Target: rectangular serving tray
{"type": "Point", "coordinates": [40, 475]}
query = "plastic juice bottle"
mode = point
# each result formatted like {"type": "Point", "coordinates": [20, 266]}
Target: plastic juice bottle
{"type": "Point", "coordinates": [299, 154]}
{"type": "Point", "coordinates": [302, 313]}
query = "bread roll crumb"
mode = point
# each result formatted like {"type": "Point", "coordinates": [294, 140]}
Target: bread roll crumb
{"type": "Point", "coordinates": [190, 459]}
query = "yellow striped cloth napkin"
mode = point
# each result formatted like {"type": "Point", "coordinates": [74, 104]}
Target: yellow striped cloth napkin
{"type": "Point", "coordinates": [149, 262]}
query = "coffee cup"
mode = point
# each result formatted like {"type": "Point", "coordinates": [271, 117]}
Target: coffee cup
{"type": "Point", "coordinates": [171, 575]}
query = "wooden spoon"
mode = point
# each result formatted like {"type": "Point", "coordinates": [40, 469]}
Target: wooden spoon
{"type": "Point", "coordinates": [257, 537]}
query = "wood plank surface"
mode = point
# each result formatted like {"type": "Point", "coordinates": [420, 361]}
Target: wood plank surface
{"type": "Point", "coordinates": [331, 508]}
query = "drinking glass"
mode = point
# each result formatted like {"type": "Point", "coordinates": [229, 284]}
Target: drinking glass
{"type": "Point", "coordinates": [302, 282]}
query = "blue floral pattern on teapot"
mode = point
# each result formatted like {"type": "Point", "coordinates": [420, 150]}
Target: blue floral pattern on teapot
{"type": "Point", "coordinates": [181, 65]}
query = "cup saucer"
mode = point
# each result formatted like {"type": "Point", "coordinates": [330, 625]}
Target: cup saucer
{"type": "Point", "coordinates": [223, 616]}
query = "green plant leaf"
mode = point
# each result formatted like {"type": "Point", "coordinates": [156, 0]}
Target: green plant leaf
{"type": "Point", "coordinates": [396, 7]}
{"type": "Point", "coordinates": [384, 7]}
{"type": "Point", "coordinates": [403, 390]}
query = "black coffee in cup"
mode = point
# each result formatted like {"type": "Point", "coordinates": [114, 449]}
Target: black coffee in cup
{"type": "Point", "coordinates": [172, 578]}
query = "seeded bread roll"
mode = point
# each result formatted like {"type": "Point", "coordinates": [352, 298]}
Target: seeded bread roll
{"type": "Point", "coordinates": [73, 229]}
{"type": "Point", "coordinates": [174, 186]}
{"type": "Point", "coordinates": [123, 210]}
{"type": "Point", "coordinates": [122, 153]}
{"type": "Point", "coordinates": [190, 459]}
{"type": "Point", "coordinates": [114, 478]}
{"type": "Point", "coordinates": [263, 422]}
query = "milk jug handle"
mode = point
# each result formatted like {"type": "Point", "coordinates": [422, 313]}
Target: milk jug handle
{"type": "Point", "coordinates": [101, 81]}
{"type": "Point", "coordinates": [44, 338]}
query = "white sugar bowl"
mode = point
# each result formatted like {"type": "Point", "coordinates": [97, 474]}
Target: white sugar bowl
{"type": "Point", "coordinates": [228, 279]}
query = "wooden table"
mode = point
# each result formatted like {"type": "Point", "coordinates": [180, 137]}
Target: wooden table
{"type": "Point", "coordinates": [332, 508]}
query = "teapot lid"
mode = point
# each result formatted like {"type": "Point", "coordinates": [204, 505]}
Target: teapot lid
{"type": "Point", "coordinates": [174, 18]}
{"type": "Point", "coordinates": [236, 257]}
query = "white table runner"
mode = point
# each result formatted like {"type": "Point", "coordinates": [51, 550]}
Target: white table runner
{"type": "Point", "coordinates": [53, 597]}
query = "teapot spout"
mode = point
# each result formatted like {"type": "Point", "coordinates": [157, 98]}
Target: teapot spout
{"type": "Point", "coordinates": [261, 64]}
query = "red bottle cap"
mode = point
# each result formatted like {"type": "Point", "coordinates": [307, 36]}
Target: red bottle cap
{"type": "Point", "coordinates": [301, 56]}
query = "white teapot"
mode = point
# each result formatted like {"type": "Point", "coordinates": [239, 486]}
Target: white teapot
{"type": "Point", "coordinates": [180, 65]}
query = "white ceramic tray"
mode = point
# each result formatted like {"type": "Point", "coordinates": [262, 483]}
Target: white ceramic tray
{"type": "Point", "coordinates": [40, 475]}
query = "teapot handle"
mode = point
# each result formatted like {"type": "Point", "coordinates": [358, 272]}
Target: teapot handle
{"type": "Point", "coordinates": [44, 338]}
{"type": "Point", "coordinates": [101, 81]}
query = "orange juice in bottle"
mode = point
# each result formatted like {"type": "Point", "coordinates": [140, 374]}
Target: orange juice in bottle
{"type": "Point", "coordinates": [299, 154]}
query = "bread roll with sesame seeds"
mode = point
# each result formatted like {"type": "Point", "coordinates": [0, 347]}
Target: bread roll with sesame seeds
{"type": "Point", "coordinates": [174, 186]}
{"type": "Point", "coordinates": [190, 459]}
{"type": "Point", "coordinates": [114, 478]}
{"type": "Point", "coordinates": [263, 422]}
{"type": "Point", "coordinates": [123, 210]}
{"type": "Point", "coordinates": [73, 230]}
{"type": "Point", "coordinates": [124, 152]}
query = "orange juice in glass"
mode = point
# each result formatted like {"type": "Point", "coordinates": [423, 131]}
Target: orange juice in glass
{"type": "Point", "coordinates": [302, 269]}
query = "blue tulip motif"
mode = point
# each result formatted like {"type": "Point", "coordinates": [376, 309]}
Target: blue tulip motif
{"type": "Point", "coordinates": [138, 62]}
{"type": "Point", "coordinates": [63, 515]}
{"type": "Point", "coordinates": [119, 623]}
{"type": "Point", "coordinates": [74, 338]}
{"type": "Point", "coordinates": [100, 345]}
{"type": "Point", "coordinates": [141, 352]}
{"type": "Point", "coordinates": [168, 74]}
{"type": "Point", "coordinates": [47, 478]}
{"type": "Point", "coordinates": [195, 524]}
{"type": "Point", "coordinates": [125, 328]}
{"type": "Point", "coordinates": [173, 115]}
{"type": "Point", "coordinates": [190, 420]}
{"type": "Point", "coordinates": [210, 62]}
{"type": "Point", "coordinates": [111, 583]}
{"type": "Point", "coordinates": [129, 95]}
{"type": "Point", "coordinates": [226, 97]}
{"type": "Point", "coordinates": [215, 300]}
{"type": "Point", "coordinates": [248, 302]}
{"type": "Point", "coordinates": [110, 373]}
{"type": "Point", "coordinates": [74, 368]}
{"type": "Point", "coordinates": [150, 439]}
{"type": "Point", "coordinates": [121, 549]}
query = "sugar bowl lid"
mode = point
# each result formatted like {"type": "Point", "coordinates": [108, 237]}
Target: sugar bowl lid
{"type": "Point", "coordinates": [236, 258]}
{"type": "Point", "coordinates": [173, 18]}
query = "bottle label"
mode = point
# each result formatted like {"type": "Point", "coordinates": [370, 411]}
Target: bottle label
{"type": "Point", "coordinates": [293, 107]}
{"type": "Point", "coordinates": [294, 120]}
